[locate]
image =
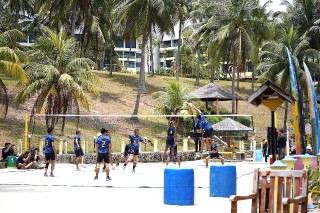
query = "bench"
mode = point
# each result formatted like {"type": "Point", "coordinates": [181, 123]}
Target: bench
{"type": "Point", "coordinates": [227, 155]}
{"type": "Point", "coordinates": [240, 155]}
{"type": "Point", "coordinates": [294, 184]}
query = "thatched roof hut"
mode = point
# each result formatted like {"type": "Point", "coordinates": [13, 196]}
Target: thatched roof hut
{"type": "Point", "coordinates": [212, 92]}
{"type": "Point", "coordinates": [230, 125]}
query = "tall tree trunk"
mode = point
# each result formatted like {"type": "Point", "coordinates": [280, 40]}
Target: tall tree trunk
{"type": "Point", "coordinates": [235, 58]}
{"type": "Point", "coordinates": [136, 107]}
{"type": "Point", "coordinates": [96, 50]}
{"type": "Point", "coordinates": [142, 75]}
{"type": "Point", "coordinates": [253, 80]}
{"type": "Point", "coordinates": [178, 53]}
{"type": "Point", "coordinates": [111, 56]}
{"type": "Point", "coordinates": [197, 82]}
{"type": "Point", "coordinates": [212, 72]}
{"type": "Point", "coordinates": [73, 24]}
{"type": "Point", "coordinates": [128, 56]}
{"type": "Point", "coordinates": [142, 84]}
{"type": "Point", "coordinates": [151, 55]}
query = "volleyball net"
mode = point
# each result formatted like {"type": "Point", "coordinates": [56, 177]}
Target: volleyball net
{"type": "Point", "coordinates": [152, 127]}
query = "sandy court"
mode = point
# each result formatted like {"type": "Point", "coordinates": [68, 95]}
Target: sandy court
{"type": "Point", "coordinates": [143, 191]}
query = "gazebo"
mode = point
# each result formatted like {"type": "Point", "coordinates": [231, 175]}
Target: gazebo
{"type": "Point", "coordinates": [230, 125]}
{"type": "Point", "coordinates": [212, 92]}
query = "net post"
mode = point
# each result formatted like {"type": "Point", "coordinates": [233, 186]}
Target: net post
{"type": "Point", "coordinates": [155, 145]}
{"type": "Point", "coordinates": [60, 146]}
{"type": "Point", "coordinates": [185, 144]}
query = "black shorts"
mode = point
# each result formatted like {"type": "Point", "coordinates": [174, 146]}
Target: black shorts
{"type": "Point", "coordinates": [214, 155]}
{"type": "Point", "coordinates": [79, 152]}
{"type": "Point", "coordinates": [103, 157]}
{"type": "Point", "coordinates": [50, 156]}
{"type": "Point", "coordinates": [197, 137]}
{"type": "Point", "coordinates": [207, 133]}
{"type": "Point", "coordinates": [170, 142]}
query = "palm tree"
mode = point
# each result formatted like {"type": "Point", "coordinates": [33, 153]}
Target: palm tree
{"type": "Point", "coordinates": [230, 32]}
{"type": "Point", "coordinates": [183, 12]}
{"type": "Point", "coordinates": [274, 61]}
{"type": "Point", "coordinates": [57, 76]}
{"type": "Point", "coordinates": [171, 100]}
{"type": "Point", "coordinates": [137, 18]}
{"type": "Point", "coordinates": [10, 63]}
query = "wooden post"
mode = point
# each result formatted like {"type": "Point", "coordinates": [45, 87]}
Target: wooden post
{"type": "Point", "coordinates": [237, 106]}
{"type": "Point", "coordinates": [217, 106]}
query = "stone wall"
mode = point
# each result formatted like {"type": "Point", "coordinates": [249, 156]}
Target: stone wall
{"type": "Point", "coordinates": [145, 157]}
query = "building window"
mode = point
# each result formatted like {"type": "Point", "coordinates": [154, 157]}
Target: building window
{"type": "Point", "coordinates": [129, 55]}
{"type": "Point", "coordinates": [131, 64]}
{"type": "Point", "coordinates": [130, 44]}
{"type": "Point", "coordinates": [138, 55]}
{"type": "Point", "coordinates": [166, 43]}
{"type": "Point", "coordinates": [120, 54]}
{"type": "Point", "coordinates": [175, 42]}
{"type": "Point", "coordinates": [138, 64]}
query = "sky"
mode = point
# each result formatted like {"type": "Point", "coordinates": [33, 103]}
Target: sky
{"type": "Point", "coordinates": [275, 5]}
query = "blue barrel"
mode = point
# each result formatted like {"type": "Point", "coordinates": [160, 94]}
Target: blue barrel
{"type": "Point", "coordinates": [223, 180]}
{"type": "Point", "coordinates": [179, 186]}
{"type": "Point", "coordinates": [259, 155]}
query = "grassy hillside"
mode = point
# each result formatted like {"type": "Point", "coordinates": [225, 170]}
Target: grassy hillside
{"type": "Point", "coordinates": [117, 97]}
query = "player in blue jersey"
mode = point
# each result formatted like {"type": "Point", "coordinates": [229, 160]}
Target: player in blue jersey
{"type": "Point", "coordinates": [135, 140]}
{"type": "Point", "coordinates": [125, 154]}
{"type": "Point", "coordinates": [77, 148]}
{"type": "Point", "coordinates": [171, 130]}
{"type": "Point", "coordinates": [173, 156]}
{"type": "Point", "coordinates": [50, 152]}
{"type": "Point", "coordinates": [213, 153]}
{"type": "Point", "coordinates": [103, 150]}
{"type": "Point", "coordinates": [196, 133]}
{"type": "Point", "coordinates": [206, 127]}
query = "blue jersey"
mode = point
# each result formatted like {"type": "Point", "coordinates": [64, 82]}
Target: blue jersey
{"type": "Point", "coordinates": [103, 142]}
{"type": "Point", "coordinates": [204, 124]}
{"type": "Point", "coordinates": [48, 144]}
{"type": "Point", "coordinates": [170, 132]}
{"type": "Point", "coordinates": [135, 141]}
{"type": "Point", "coordinates": [214, 147]}
{"type": "Point", "coordinates": [196, 126]}
{"type": "Point", "coordinates": [76, 138]}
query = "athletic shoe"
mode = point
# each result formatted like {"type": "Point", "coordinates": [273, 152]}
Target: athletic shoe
{"type": "Point", "coordinates": [117, 164]}
{"type": "Point", "coordinates": [113, 167]}
{"type": "Point", "coordinates": [45, 174]}
{"type": "Point", "coordinates": [206, 166]}
{"type": "Point", "coordinates": [77, 169]}
{"type": "Point", "coordinates": [124, 167]}
{"type": "Point", "coordinates": [133, 171]}
{"type": "Point", "coordinates": [108, 178]}
{"type": "Point", "coordinates": [51, 174]}
{"type": "Point", "coordinates": [96, 178]}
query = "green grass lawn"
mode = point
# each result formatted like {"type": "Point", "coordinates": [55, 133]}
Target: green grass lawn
{"type": "Point", "coordinates": [117, 96]}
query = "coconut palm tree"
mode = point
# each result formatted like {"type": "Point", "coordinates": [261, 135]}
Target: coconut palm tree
{"type": "Point", "coordinates": [274, 61]}
{"type": "Point", "coordinates": [57, 76]}
{"type": "Point", "coordinates": [230, 33]}
{"type": "Point", "coordinates": [183, 13]}
{"type": "Point", "coordinates": [138, 18]}
{"type": "Point", "coordinates": [10, 63]}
